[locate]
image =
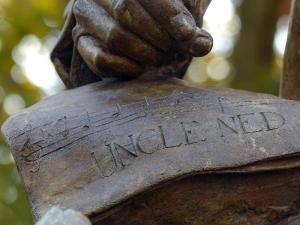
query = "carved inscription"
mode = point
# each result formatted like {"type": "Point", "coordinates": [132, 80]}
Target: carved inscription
{"type": "Point", "coordinates": [123, 151]}
{"type": "Point", "coordinates": [31, 156]}
{"type": "Point", "coordinates": [250, 123]}
{"type": "Point", "coordinates": [67, 132]}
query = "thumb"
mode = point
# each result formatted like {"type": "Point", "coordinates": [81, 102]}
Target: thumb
{"type": "Point", "coordinates": [202, 42]}
{"type": "Point", "coordinates": [200, 45]}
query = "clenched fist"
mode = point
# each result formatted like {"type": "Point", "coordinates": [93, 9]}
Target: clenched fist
{"type": "Point", "coordinates": [122, 38]}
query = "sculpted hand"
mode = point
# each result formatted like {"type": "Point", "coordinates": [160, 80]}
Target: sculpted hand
{"type": "Point", "coordinates": [120, 38]}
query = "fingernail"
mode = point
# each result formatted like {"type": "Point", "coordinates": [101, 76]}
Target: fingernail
{"type": "Point", "coordinates": [183, 27]}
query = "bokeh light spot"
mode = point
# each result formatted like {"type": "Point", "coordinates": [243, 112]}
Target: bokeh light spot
{"type": "Point", "coordinates": [5, 156]}
{"type": "Point", "coordinates": [224, 27]}
{"type": "Point", "coordinates": [281, 35]}
{"type": "Point", "coordinates": [33, 58]}
{"type": "Point", "coordinates": [196, 71]}
{"type": "Point", "coordinates": [218, 69]}
{"type": "Point", "coordinates": [10, 195]}
{"type": "Point", "coordinates": [17, 75]}
{"type": "Point", "coordinates": [13, 104]}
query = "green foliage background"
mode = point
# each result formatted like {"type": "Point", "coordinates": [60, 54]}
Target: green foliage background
{"type": "Point", "coordinates": [17, 19]}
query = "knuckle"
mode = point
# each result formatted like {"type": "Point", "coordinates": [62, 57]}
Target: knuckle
{"type": "Point", "coordinates": [99, 60]}
{"type": "Point", "coordinates": [76, 7]}
{"type": "Point", "coordinates": [76, 33]}
{"type": "Point", "coordinates": [79, 7]}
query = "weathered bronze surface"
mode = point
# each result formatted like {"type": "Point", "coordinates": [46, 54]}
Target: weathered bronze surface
{"type": "Point", "coordinates": [125, 38]}
{"type": "Point", "coordinates": [161, 152]}
{"type": "Point", "coordinates": [290, 81]}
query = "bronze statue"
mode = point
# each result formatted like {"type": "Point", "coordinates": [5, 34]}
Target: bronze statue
{"type": "Point", "coordinates": [126, 38]}
{"type": "Point", "coordinates": [155, 150]}
{"type": "Point", "coordinates": [161, 152]}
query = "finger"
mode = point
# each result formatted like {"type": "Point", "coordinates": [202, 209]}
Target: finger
{"type": "Point", "coordinates": [200, 45]}
{"type": "Point", "coordinates": [197, 8]}
{"type": "Point", "coordinates": [100, 24]}
{"type": "Point", "coordinates": [173, 16]}
{"type": "Point", "coordinates": [131, 15]}
{"type": "Point", "coordinates": [103, 63]}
